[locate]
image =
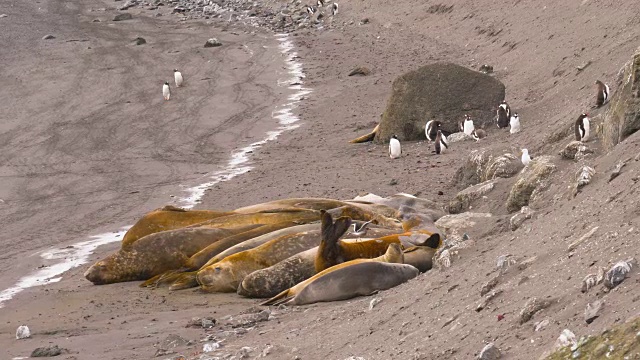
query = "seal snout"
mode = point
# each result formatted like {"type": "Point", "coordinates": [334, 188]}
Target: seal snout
{"type": "Point", "coordinates": [95, 273]}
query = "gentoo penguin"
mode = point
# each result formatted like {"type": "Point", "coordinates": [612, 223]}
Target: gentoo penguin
{"type": "Point", "coordinates": [582, 127]}
{"type": "Point", "coordinates": [468, 125]}
{"type": "Point", "coordinates": [178, 77]}
{"type": "Point", "coordinates": [602, 95]}
{"type": "Point", "coordinates": [504, 113]}
{"type": "Point", "coordinates": [311, 10]}
{"type": "Point", "coordinates": [526, 159]}
{"type": "Point", "coordinates": [514, 123]}
{"type": "Point", "coordinates": [334, 9]}
{"type": "Point", "coordinates": [166, 92]}
{"type": "Point", "coordinates": [320, 3]}
{"type": "Point", "coordinates": [394, 147]}
{"type": "Point", "coordinates": [441, 143]}
{"type": "Point", "coordinates": [431, 129]}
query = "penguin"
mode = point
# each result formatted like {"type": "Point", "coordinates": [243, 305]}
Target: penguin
{"type": "Point", "coordinates": [334, 9]}
{"type": "Point", "coordinates": [178, 77]}
{"type": "Point", "coordinates": [514, 123]}
{"type": "Point", "coordinates": [394, 147]}
{"type": "Point", "coordinates": [441, 143]}
{"type": "Point", "coordinates": [468, 127]}
{"type": "Point", "coordinates": [431, 129]}
{"type": "Point", "coordinates": [504, 113]}
{"type": "Point", "coordinates": [582, 127]}
{"type": "Point", "coordinates": [320, 3]}
{"type": "Point", "coordinates": [602, 95]}
{"type": "Point", "coordinates": [311, 10]}
{"type": "Point", "coordinates": [166, 92]}
{"type": "Point", "coordinates": [526, 159]}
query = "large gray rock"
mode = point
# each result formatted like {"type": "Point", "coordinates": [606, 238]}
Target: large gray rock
{"type": "Point", "coordinates": [623, 114]}
{"type": "Point", "coordinates": [481, 166]}
{"type": "Point", "coordinates": [531, 181]}
{"type": "Point", "coordinates": [441, 91]}
{"type": "Point", "coordinates": [464, 198]}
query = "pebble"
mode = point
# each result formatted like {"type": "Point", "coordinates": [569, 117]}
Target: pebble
{"type": "Point", "coordinates": [23, 332]}
{"type": "Point", "coordinates": [566, 338]}
{"type": "Point", "coordinates": [48, 37]}
{"type": "Point", "coordinates": [139, 41]}
{"type": "Point", "coordinates": [592, 311]}
{"type": "Point", "coordinates": [48, 351]}
{"type": "Point", "coordinates": [122, 17]}
{"type": "Point", "coordinates": [618, 272]}
{"type": "Point", "coordinates": [3, 16]}
{"type": "Point", "coordinates": [374, 302]}
{"type": "Point", "coordinates": [213, 42]}
{"type": "Point", "coordinates": [489, 352]}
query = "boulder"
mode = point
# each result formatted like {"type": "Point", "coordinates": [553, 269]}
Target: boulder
{"type": "Point", "coordinates": [481, 166]}
{"type": "Point", "coordinates": [531, 181]}
{"type": "Point", "coordinates": [516, 220]}
{"type": "Point", "coordinates": [457, 137]}
{"type": "Point", "coordinates": [575, 150]}
{"type": "Point", "coordinates": [464, 198]}
{"type": "Point", "coordinates": [623, 113]}
{"type": "Point", "coordinates": [213, 42]}
{"type": "Point", "coordinates": [456, 224]}
{"type": "Point", "coordinates": [122, 17]}
{"type": "Point", "coordinates": [441, 91]}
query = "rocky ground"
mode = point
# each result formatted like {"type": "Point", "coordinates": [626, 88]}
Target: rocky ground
{"type": "Point", "coordinates": [517, 287]}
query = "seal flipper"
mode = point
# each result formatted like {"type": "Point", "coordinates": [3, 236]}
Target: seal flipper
{"type": "Point", "coordinates": [164, 279]}
{"type": "Point", "coordinates": [329, 249]}
{"type": "Point", "coordinates": [281, 298]}
{"type": "Point", "coordinates": [186, 280]}
{"type": "Point", "coordinates": [366, 138]}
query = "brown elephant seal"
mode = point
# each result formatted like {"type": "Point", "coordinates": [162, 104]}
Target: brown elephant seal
{"type": "Point", "coordinates": [420, 256]}
{"type": "Point", "coordinates": [301, 216]}
{"type": "Point", "coordinates": [167, 218]}
{"type": "Point", "coordinates": [332, 251]}
{"type": "Point", "coordinates": [155, 254]}
{"type": "Point", "coordinates": [366, 138]}
{"type": "Point", "coordinates": [226, 275]}
{"type": "Point", "coordinates": [345, 281]}
{"type": "Point", "coordinates": [287, 273]}
{"type": "Point", "coordinates": [300, 203]}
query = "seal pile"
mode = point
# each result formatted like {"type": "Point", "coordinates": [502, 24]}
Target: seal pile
{"type": "Point", "coordinates": [293, 251]}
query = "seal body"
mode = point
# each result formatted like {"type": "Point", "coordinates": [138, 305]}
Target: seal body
{"type": "Point", "coordinates": [394, 147]}
{"type": "Point", "coordinates": [504, 113]}
{"type": "Point", "coordinates": [166, 92]}
{"type": "Point", "coordinates": [514, 124]}
{"type": "Point", "coordinates": [154, 254]}
{"type": "Point", "coordinates": [177, 75]}
{"type": "Point", "coordinates": [421, 257]}
{"type": "Point", "coordinates": [441, 143]}
{"type": "Point", "coordinates": [346, 281]}
{"type": "Point", "coordinates": [602, 93]}
{"type": "Point", "coordinates": [582, 127]}
{"type": "Point", "coordinates": [167, 218]}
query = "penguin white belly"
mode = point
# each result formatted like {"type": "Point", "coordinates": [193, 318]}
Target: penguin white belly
{"type": "Point", "coordinates": [515, 125]}
{"type": "Point", "coordinates": [468, 127]}
{"type": "Point", "coordinates": [394, 148]}
{"type": "Point", "coordinates": [427, 129]}
{"type": "Point", "coordinates": [165, 92]}
{"type": "Point", "coordinates": [585, 124]}
{"type": "Point", "coordinates": [178, 77]}
{"type": "Point", "coordinates": [606, 94]}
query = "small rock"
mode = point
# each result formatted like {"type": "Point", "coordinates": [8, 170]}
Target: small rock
{"type": "Point", "coordinates": [487, 69]}
{"type": "Point", "coordinates": [173, 341]}
{"type": "Point", "coordinates": [205, 323]}
{"type": "Point", "coordinates": [248, 319]}
{"type": "Point", "coordinates": [457, 137]}
{"type": "Point", "coordinates": [211, 346]}
{"type": "Point", "coordinates": [583, 177]}
{"type": "Point", "coordinates": [360, 70]}
{"type": "Point", "coordinates": [592, 280]}
{"type": "Point", "coordinates": [355, 358]}
{"type": "Point", "coordinates": [518, 219]}
{"type": "Point", "coordinates": [213, 42]}
{"type": "Point", "coordinates": [244, 352]}
{"type": "Point", "coordinates": [541, 325]}
{"type": "Point", "coordinates": [616, 275]}
{"type": "Point", "coordinates": [489, 352]}
{"type": "Point", "coordinates": [364, 21]}
{"type": "Point", "coordinates": [531, 307]}
{"type": "Point", "coordinates": [3, 16]}
{"type": "Point", "coordinates": [48, 351]}
{"type": "Point", "coordinates": [393, 182]}
{"type": "Point", "coordinates": [591, 312]}
{"type": "Point", "coordinates": [575, 150]}
{"type": "Point", "coordinates": [582, 239]}
{"type": "Point", "coordinates": [505, 262]}
{"type": "Point", "coordinates": [489, 285]}
{"type": "Point", "coordinates": [139, 41]}
{"type": "Point", "coordinates": [48, 37]}
{"type": "Point", "coordinates": [617, 170]}
{"type": "Point", "coordinates": [122, 17]}
{"type": "Point", "coordinates": [374, 302]}
{"type": "Point", "coordinates": [487, 299]}
{"type": "Point", "coordinates": [23, 332]}
{"type": "Point", "coordinates": [566, 338]}
{"type": "Point", "coordinates": [266, 351]}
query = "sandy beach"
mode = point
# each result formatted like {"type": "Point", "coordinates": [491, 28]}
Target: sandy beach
{"type": "Point", "coordinates": [89, 146]}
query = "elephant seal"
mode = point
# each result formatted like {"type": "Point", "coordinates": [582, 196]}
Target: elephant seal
{"type": "Point", "coordinates": [420, 256]}
{"type": "Point", "coordinates": [167, 218]}
{"type": "Point", "coordinates": [226, 275]}
{"type": "Point", "coordinates": [301, 216]}
{"type": "Point", "coordinates": [300, 203]}
{"type": "Point", "coordinates": [366, 138]}
{"type": "Point", "coordinates": [345, 281]}
{"type": "Point", "coordinates": [155, 254]}
{"type": "Point", "coordinates": [332, 251]}
{"type": "Point", "coordinates": [287, 273]}
{"type": "Point", "coordinates": [200, 258]}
